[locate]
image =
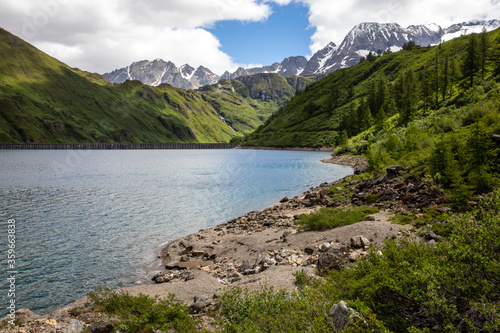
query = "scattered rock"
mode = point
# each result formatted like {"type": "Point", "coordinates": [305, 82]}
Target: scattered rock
{"type": "Point", "coordinates": [394, 171]}
{"type": "Point", "coordinates": [101, 327]}
{"type": "Point", "coordinates": [340, 316]}
{"type": "Point", "coordinates": [74, 326]}
{"type": "Point", "coordinates": [309, 250]}
{"type": "Point", "coordinates": [324, 247]}
{"type": "Point", "coordinates": [354, 256]}
{"type": "Point", "coordinates": [197, 253]}
{"type": "Point", "coordinates": [285, 199]}
{"type": "Point", "coordinates": [444, 209]}
{"type": "Point", "coordinates": [327, 261]}
{"type": "Point", "coordinates": [430, 235]}
{"type": "Point", "coordinates": [25, 315]}
{"type": "Point", "coordinates": [360, 242]}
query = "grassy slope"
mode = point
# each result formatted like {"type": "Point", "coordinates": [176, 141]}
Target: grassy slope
{"type": "Point", "coordinates": [317, 116]}
{"type": "Point", "coordinates": [44, 100]}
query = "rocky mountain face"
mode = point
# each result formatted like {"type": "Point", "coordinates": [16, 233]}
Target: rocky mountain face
{"type": "Point", "coordinates": [371, 37]}
{"type": "Point", "coordinates": [359, 42]}
{"type": "Point", "coordinates": [288, 67]}
{"type": "Point", "coordinates": [156, 72]}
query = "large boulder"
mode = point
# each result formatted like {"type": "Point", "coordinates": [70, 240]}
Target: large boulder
{"type": "Point", "coordinates": [327, 261]}
{"type": "Point", "coordinates": [394, 170]}
{"type": "Point", "coordinates": [101, 327]}
{"type": "Point", "coordinates": [340, 316]}
{"type": "Point", "coordinates": [74, 326]}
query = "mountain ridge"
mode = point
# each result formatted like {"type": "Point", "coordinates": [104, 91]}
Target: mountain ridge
{"type": "Point", "coordinates": [42, 100]}
{"type": "Point", "coordinates": [362, 39]}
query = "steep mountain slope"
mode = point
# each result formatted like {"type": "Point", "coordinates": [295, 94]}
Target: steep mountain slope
{"type": "Point", "coordinates": [290, 66]}
{"type": "Point", "coordinates": [372, 37]}
{"type": "Point", "coordinates": [402, 84]}
{"type": "Point", "coordinates": [43, 100]}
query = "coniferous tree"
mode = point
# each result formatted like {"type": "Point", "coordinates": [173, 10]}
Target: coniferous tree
{"type": "Point", "coordinates": [445, 77]}
{"type": "Point", "coordinates": [343, 138]}
{"type": "Point", "coordinates": [472, 61]}
{"type": "Point", "coordinates": [371, 57]}
{"type": "Point", "coordinates": [495, 56]}
{"type": "Point", "coordinates": [484, 46]}
{"type": "Point", "coordinates": [364, 116]}
{"type": "Point", "coordinates": [425, 89]}
{"type": "Point", "coordinates": [454, 76]}
{"type": "Point", "coordinates": [444, 167]}
{"type": "Point", "coordinates": [408, 98]}
{"type": "Point", "coordinates": [436, 77]}
{"type": "Point", "coordinates": [381, 95]}
{"type": "Point", "coordinates": [480, 151]}
{"type": "Point", "coordinates": [372, 91]}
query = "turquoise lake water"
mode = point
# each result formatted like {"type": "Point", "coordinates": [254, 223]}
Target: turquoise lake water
{"type": "Point", "coordinates": [90, 218]}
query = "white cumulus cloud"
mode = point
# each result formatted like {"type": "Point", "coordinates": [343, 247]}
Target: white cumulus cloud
{"type": "Point", "coordinates": [103, 35]}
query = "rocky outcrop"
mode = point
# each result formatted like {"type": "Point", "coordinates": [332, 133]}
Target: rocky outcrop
{"type": "Point", "coordinates": [340, 316]}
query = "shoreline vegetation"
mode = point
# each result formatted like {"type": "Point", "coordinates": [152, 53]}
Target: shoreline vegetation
{"type": "Point", "coordinates": [258, 250]}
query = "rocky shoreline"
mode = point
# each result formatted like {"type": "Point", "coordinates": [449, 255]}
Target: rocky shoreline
{"type": "Point", "coordinates": [265, 248]}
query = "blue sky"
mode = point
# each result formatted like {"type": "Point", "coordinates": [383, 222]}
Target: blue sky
{"type": "Point", "coordinates": [285, 33]}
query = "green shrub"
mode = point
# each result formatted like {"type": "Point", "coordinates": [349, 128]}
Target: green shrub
{"type": "Point", "coordinates": [371, 198]}
{"type": "Point", "coordinates": [272, 310]}
{"type": "Point", "coordinates": [143, 313]}
{"type": "Point", "coordinates": [401, 219]}
{"type": "Point", "coordinates": [329, 218]}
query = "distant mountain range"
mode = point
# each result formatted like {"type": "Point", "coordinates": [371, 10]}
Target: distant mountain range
{"type": "Point", "coordinates": [359, 42]}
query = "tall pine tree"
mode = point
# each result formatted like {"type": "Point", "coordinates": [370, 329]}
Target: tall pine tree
{"type": "Point", "coordinates": [472, 62]}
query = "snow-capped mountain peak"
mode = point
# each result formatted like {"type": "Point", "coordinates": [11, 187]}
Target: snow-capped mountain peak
{"type": "Point", "coordinates": [362, 39]}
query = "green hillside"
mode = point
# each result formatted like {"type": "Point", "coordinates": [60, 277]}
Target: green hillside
{"type": "Point", "coordinates": [246, 102]}
{"type": "Point", "coordinates": [43, 100]}
{"type": "Point", "coordinates": [405, 85]}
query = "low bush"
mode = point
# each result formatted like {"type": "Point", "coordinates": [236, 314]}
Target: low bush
{"type": "Point", "coordinates": [143, 313]}
{"type": "Point", "coordinates": [329, 218]}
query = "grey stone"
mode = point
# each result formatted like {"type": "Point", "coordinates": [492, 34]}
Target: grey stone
{"type": "Point", "coordinates": [444, 209]}
{"type": "Point", "coordinates": [324, 247]}
{"type": "Point", "coordinates": [309, 250]}
{"type": "Point", "coordinates": [197, 307]}
{"type": "Point", "coordinates": [328, 261]}
{"type": "Point", "coordinates": [74, 326]}
{"type": "Point", "coordinates": [354, 256]}
{"type": "Point", "coordinates": [394, 170]}
{"type": "Point", "coordinates": [101, 327]}
{"type": "Point", "coordinates": [430, 235]}
{"type": "Point", "coordinates": [340, 316]}
{"type": "Point", "coordinates": [359, 242]}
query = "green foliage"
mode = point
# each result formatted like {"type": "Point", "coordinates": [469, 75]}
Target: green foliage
{"type": "Point", "coordinates": [272, 310]}
{"type": "Point", "coordinates": [402, 219]}
{"type": "Point", "coordinates": [143, 313]}
{"type": "Point", "coordinates": [44, 100]}
{"type": "Point", "coordinates": [431, 287]}
{"type": "Point", "coordinates": [329, 218]}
